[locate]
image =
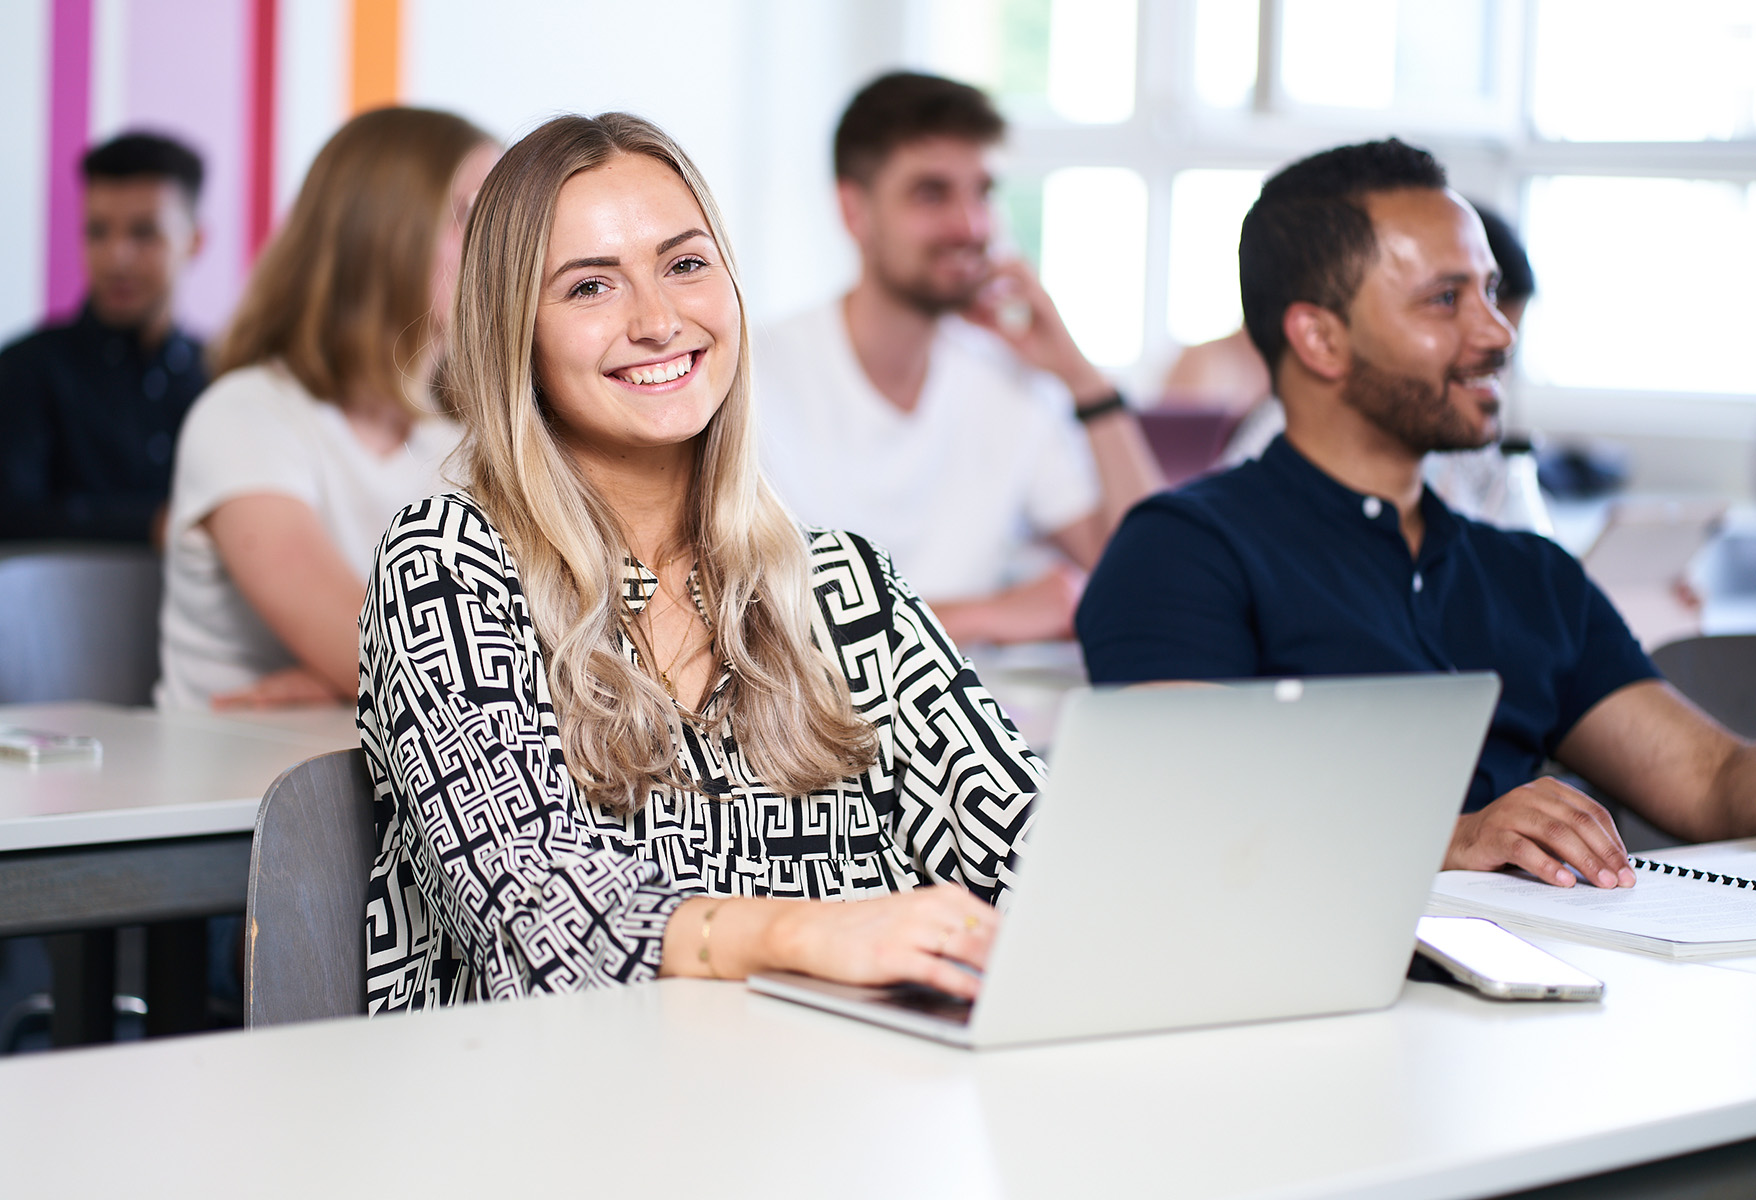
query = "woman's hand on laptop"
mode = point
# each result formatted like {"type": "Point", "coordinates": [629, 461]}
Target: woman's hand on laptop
{"type": "Point", "coordinates": [931, 935]}
{"type": "Point", "coordinates": [1541, 827]}
{"type": "Point", "coordinates": [908, 937]}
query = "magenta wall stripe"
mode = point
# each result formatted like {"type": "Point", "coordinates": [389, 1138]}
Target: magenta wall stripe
{"type": "Point", "coordinates": [69, 127]}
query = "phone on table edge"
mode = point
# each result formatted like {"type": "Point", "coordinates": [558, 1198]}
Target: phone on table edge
{"type": "Point", "coordinates": [1481, 955]}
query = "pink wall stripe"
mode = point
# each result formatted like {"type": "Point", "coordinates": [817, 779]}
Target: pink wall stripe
{"type": "Point", "coordinates": [69, 127]}
{"type": "Point", "coordinates": [259, 151]}
{"type": "Point", "coordinates": [189, 66]}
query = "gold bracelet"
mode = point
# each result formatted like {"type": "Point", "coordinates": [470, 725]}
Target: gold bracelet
{"type": "Point", "coordinates": [704, 955]}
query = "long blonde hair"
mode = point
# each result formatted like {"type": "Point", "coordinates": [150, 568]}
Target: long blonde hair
{"type": "Point", "coordinates": [788, 702]}
{"type": "Point", "coordinates": [343, 293]}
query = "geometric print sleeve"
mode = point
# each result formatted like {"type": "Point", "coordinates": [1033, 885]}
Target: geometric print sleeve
{"type": "Point", "coordinates": [964, 780]}
{"type": "Point", "coordinates": [485, 884]}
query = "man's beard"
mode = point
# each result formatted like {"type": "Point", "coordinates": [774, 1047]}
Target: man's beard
{"type": "Point", "coordinates": [1413, 411]}
{"type": "Point", "coordinates": [919, 291]}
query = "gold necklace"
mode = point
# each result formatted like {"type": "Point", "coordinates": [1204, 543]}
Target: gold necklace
{"type": "Point", "coordinates": [664, 674]}
{"type": "Point", "coordinates": [687, 644]}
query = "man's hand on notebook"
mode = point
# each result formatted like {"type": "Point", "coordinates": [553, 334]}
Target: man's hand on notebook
{"type": "Point", "coordinates": [1543, 827]}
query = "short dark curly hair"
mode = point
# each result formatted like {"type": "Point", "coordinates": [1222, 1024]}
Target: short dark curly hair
{"type": "Point", "coordinates": [138, 155]}
{"type": "Point", "coordinates": [1308, 238]}
{"type": "Point", "coordinates": [904, 106]}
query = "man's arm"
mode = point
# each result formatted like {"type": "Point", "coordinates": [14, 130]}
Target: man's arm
{"type": "Point", "coordinates": [1015, 307]}
{"type": "Point", "coordinates": [1651, 749]}
{"type": "Point", "coordinates": [1668, 761]}
{"type": "Point", "coordinates": [1038, 611]}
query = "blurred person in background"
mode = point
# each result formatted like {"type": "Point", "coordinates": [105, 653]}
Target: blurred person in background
{"type": "Point", "coordinates": [1225, 373]}
{"type": "Point", "coordinates": [323, 419]}
{"type": "Point", "coordinates": [989, 455]}
{"type": "Point", "coordinates": [89, 410]}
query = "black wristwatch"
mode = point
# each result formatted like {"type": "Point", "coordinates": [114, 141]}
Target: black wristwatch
{"type": "Point", "coordinates": [1101, 407]}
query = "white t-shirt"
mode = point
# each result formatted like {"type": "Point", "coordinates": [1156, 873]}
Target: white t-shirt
{"type": "Point", "coordinates": [257, 430]}
{"type": "Point", "coordinates": [958, 490]}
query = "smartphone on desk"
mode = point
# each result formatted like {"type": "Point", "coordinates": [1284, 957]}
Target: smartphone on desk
{"type": "Point", "coordinates": [1495, 963]}
{"type": "Point", "coordinates": [42, 746]}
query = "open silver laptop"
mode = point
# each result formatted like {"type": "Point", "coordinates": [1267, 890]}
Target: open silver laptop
{"type": "Point", "coordinates": [1204, 855]}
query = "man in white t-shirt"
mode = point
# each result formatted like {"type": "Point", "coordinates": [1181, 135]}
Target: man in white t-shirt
{"type": "Point", "coordinates": [940, 407]}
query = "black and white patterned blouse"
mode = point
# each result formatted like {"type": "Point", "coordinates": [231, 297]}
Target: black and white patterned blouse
{"type": "Point", "coordinates": [496, 878]}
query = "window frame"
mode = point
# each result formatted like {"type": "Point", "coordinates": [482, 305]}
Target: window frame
{"type": "Point", "coordinates": [1492, 153]}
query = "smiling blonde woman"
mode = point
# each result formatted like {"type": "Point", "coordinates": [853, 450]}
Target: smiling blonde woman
{"type": "Point", "coordinates": [624, 717]}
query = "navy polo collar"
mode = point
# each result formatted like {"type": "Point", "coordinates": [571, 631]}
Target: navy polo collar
{"type": "Point", "coordinates": [1308, 483]}
{"type": "Point", "coordinates": [177, 346]}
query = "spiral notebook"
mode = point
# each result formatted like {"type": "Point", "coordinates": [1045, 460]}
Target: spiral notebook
{"type": "Point", "coordinates": [1694, 902]}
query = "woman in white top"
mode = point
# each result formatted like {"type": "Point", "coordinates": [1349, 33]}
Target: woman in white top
{"type": "Point", "coordinates": [321, 422]}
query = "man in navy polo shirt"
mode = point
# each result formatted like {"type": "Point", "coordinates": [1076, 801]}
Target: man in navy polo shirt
{"type": "Point", "coordinates": [90, 408]}
{"type": "Point", "coordinates": [1369, 287]}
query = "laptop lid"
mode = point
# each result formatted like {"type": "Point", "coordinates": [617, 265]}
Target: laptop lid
{"type": "Point", "coordinates": [1209, 854]}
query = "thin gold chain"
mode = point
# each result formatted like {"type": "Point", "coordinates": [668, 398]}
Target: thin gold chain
{"type": "Point", "coordinates": [687, 645]}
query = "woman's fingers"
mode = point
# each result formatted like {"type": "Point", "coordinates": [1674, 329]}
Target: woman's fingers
{"type": "Point", "coordinates": [910, 937]}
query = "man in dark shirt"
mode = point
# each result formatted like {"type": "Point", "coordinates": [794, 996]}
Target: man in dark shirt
{"type": "Point", "coordinates": [89, 410]}
{"type": "Point", "coordinates": [1370, 289]}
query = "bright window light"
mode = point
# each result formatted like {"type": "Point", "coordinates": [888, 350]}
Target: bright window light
{"type": "Point", "coordinates": [963, 40]}
{"type": "Point", "coordinates": [1339, 53]}
{"type": "Point", "coordinates": [1639, 71]}
{"type": "Point", "coordinates": [1641, 284]}
{"type": "Point", "coordinates": [1443, 51]}
{"type": "Point", "coordinates": [1094, 258]}
{"type": "Point", "coordinates": [1091, 60]}
{"type": "Point", "coordinates": [1207, 207]}
{"type": "Point", "coordinates": [1225, 52]}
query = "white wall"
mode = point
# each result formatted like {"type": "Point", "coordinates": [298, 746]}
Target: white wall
{"type": "Point", "coordinates": [24, 148]}
{"type": "Point", "coordinates": [750, 88]}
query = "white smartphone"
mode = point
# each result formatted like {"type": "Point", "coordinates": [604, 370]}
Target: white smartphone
{"type": "Point", "coordinates": [1499, 964]}
{"type": "Point", "coordinates": [42, 746]}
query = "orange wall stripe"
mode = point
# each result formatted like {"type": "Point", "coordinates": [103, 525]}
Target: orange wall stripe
{"type": "Point", "coordinates": [377, 74]}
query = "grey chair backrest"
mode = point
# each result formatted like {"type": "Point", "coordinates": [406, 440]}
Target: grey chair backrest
{"type": "Point", "coordinates": [305, 927]}
{"type": "Point", "coordinates": [1717, 673]}
{"type": "Point", "coordinates": [80, 622]}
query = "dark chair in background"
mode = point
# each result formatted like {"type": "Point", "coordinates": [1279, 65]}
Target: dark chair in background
{"type": "Point", "coordinates": [78, 621]}
{"type": "Point", "coordinates": [81, 623]}
{"type": "Point", "coordinates": [1718, 674]}
{"type": "Point", "coordinates": [305, 928]}
{"type": "Point", "coordinates": [1187, 441]}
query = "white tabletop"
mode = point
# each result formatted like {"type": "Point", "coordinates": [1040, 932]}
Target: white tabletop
{"type": "Point", "coordinates": [700, 1088]}
{"type": "Point", "coordinates": [162, 775]}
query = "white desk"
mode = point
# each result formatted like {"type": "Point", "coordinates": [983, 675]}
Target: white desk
{"type": "Point", "coordinates": [699, 1088]}
{"type": "Point", "coordinates": [162, 774]}
{"type": "Point", "coordinates": [156, 833]}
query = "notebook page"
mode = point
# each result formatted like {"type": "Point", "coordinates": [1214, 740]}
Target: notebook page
{"type": "Point", "coordinates": [1723, 858]}
{"type": "Point", "coordinates": [1658, 906]}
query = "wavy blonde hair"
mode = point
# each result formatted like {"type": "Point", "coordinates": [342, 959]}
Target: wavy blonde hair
{"type": "Point", "coordinates": [788, 702]}
{"type": "Point", "coordinates": [343, 293]}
